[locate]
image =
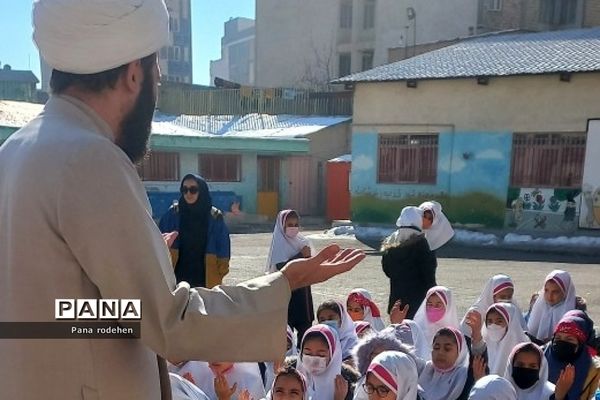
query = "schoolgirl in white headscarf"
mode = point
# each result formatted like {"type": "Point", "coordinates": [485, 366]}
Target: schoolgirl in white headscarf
{"type": "Point", "coordinates": [286, 242]}
{"type": "Point", "coordinates": [319, 371]}
{"type": "Point", "coordinates": [431, 320]}
{"type": "Point", "coordinates": [345, 326]}
{"type": "Point", "coordinates": [398, 372]}
{"type": "Point", "coordinates": [494, 291]}
{"type": "Point", "coordinates": [440, 231]}
{"type": "Point", "coordinates": [440, 383]}
{"type": "Point", "coordinates": [276, 387]}
{"type": "Point", "coordinates": [409, 333]}
{"type": "Point", "coordinates": [524, 379]}
{"type": "Point", "coordinates": [545, 316]}
{"type": "Point", "coordinates": [245, 375]}
{"type": "Point", "coordinates": [492, 387]}
{"type": "Point", "coordinates": [500, 341]}
{"type": "Point", "coordinates": [371, 312]}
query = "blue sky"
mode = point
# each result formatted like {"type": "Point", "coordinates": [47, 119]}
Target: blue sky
{"type": "Point", "coordinates": [18, 50]}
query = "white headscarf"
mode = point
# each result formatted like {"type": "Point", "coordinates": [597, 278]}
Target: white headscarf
{"type": "Point", "coordinates": [441, 231]}
{"type": "Point", "coordinates": [542, 389]}
{"type": "Point", "coordinates": [182, 389]}
{"type": "Point", "coordinates": [246, 375]}
{"type": "Point", "coordinates": [498, 352]}
{"type": "Point", "coordinates": [544, 318]}
{"type": "Point", "coordinates": [303, 383]}
{"type": "Point", "coordinates": [371, 311]}
{"type": "Point", "coordinates": [448, 385]}
{"type": "Point", "coordinates": [398, 372]}
{"type": "Point", "coordinates": [347, 332]}
{"type": "Point", "coordinates": [322, 386]}
{"type": "Point", "coordinates": [492, 387]}
{"type": "Point", "coordinates": [409, 333]}
{"type": "Point", "coordinates": [493, 286]}
{"type": "Point", "coordinates": [409, 223]}
{"type": "Point", "coordinates": [283, 247]}
{"type": "Point", "coordinates": [86, 37]}
{"type": "Point", "coordinates": [450, 318]}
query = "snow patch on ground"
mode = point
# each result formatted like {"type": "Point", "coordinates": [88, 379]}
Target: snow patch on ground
{"type": "Point", "coordinates": [462, 236]}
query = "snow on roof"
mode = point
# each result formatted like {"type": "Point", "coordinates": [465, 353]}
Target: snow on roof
{"type": "Point", "coordinates": [344, 158]}
{"type": "Point", "coordinates": [18, 113]}
{"type": "Point", "coordinates": [249, 125]}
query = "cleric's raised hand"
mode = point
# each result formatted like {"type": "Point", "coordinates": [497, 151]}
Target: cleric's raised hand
{"type": "Point", "coordinates": [327, 263]}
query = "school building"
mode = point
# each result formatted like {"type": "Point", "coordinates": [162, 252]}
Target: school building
{"type": "Point", "coordinates": [500, 129]}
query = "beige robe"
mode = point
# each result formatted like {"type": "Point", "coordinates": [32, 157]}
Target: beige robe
{"type": "Point", "coordinates": [75, 222]}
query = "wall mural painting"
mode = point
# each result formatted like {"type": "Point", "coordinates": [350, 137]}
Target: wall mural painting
{"type": "Point", "coordinates": [590, 204]}
{"type": "Point", "coordinates": [535, 209]}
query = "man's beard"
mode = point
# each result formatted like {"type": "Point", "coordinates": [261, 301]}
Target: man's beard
{"type": "Point", "coordinates": [137, 124]}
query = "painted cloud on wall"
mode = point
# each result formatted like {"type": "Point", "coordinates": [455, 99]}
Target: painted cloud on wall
{"type": "Point", "coordinates": [452, 166]}
{"type": "Point", "coordinates": [363, 163]}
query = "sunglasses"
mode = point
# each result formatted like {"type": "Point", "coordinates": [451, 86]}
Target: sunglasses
{"type": "Point", "coordinates": [191, 189]}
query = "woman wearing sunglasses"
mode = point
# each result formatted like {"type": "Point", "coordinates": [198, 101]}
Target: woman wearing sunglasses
{"type": "Point", "coordinates": [201, 250]}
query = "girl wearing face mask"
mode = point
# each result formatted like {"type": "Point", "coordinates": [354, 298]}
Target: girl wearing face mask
{"type": "Point", "coordinates": [527, 371]}
{"type": "Point", "coordinates": [571, 367]}
{"type": "Point", "coordinates": [437, 311]}
{"type": "Point", "coordinates": [361, 307]}
{"type": "Point", "coordinates": [445, 376]}
{"type": "Point", "coordinates": [321, 363]}
{"type": "Point", "coordinates": [556, 297]}
{"type": "Point", "coordinates": [498, 289]}
{"type": "Point", "coordinates": [286, 245]}
{"type": "Point", "coordinates": [501, 333]}
{"type": "Point", "coordinates": [392, 376]}
{"type": "Point", "coordinates": [334, 314]}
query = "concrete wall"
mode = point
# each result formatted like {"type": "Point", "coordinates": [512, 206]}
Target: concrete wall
{"type": "Point", "coordinates": [293, 37]}
{"type": "Point", "coordinates": [540, 103]}
{"type": "Point", "coordinates": [290, 35]}
{"type": "Point", "coordinates": [471, 119]}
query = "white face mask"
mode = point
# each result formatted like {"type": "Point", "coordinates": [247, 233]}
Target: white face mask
{"type": "Point", "coordinates": [292, 231]}
{"type": "Point", "coordinates": [495, 333]}
{"type": "Point", "coordinates": [314, 364]}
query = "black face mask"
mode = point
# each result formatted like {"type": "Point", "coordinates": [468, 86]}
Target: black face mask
{"type": "Point", "coordinates": [525, 377]}
{"type": "Point", "coordinates": [564, 351]}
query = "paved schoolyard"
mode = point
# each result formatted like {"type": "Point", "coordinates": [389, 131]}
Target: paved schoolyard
{"type": "Point", "coordinates": [465, 277]}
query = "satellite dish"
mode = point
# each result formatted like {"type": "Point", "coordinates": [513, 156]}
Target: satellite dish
{"type": "Point", "coordinates": [410, 13]}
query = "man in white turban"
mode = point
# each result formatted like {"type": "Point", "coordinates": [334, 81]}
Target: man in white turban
{"type": "Point", "coordinates": [75, 223]}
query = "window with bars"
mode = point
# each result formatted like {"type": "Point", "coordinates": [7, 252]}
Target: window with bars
{"type": "Point", "coordinates": [220, 167]}
{"type": "Point", "coordinates": [408, 159]}
{"type": "Point", "coordinates": [160, 166]}
{"type": "Point", "coordinates": [495, 5]}
{"type": "Point", "coordinates": [345, 64]}
{"type": "Point", "coordinates": [369, 14]}
{"type": "Point", "coordinates": [367, 60]}
{"type": "Point", "coordinates": [548, 160]}
{"type": "Point", "coordinates": [346, 15]}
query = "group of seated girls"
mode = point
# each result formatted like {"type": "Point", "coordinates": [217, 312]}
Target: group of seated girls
{"type": "Point", "coordinates": [494, 352]}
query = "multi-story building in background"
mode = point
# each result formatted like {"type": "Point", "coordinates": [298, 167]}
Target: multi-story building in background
{"type": "Point", "coordinates": [537, 15]}
{"type": "Point", "coordinates": [308, 43]}
{"type": "Point", "coordinates": [237, 53]}
{"type": "Point", "coordinates": [175, 60]}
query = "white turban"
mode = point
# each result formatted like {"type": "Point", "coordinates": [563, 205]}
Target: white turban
{"type": "Point", "coordinates": [91, 36]}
